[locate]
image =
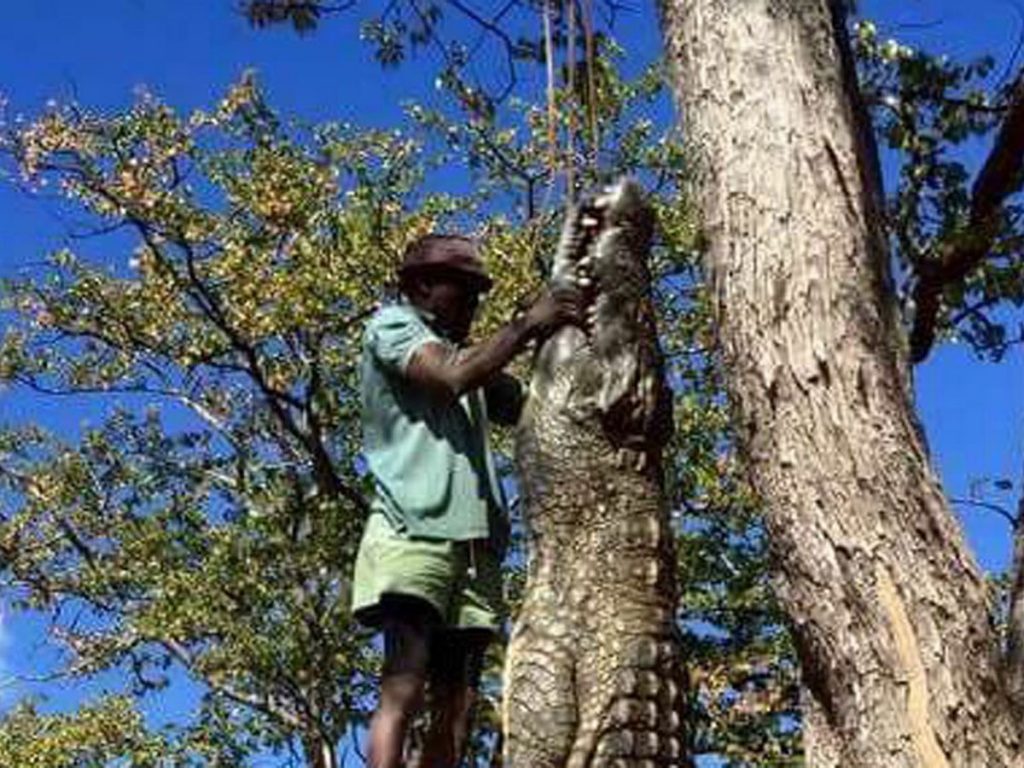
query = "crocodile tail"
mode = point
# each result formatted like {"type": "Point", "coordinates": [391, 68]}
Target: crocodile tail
{"type": "Point", "coordinates": [539, 707]}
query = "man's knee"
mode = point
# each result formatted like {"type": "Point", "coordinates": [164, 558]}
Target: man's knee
{"type": "Point", "coordinates": [408, 628]}
{"type": "Point", "coordinates": [402, 694]}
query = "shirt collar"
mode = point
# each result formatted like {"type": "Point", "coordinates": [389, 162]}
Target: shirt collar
{"type": "Point", "coordinates": [428, 317]}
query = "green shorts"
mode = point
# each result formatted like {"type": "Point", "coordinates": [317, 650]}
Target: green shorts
{"type": "Point", "coordinates": [461, 580]}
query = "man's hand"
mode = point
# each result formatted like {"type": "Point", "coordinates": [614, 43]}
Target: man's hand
{"type": "Point", "coordinates": [555, 307]}
{"type": "Point", "coordinates": [434, 367]}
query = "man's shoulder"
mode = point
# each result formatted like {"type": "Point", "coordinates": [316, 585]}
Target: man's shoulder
{"type": "Point", "coordinates": [391, 318]}
{"type": "Point", "coordinates": [389, 314]}
{"type": "Point", "coordinates": [394, 332]}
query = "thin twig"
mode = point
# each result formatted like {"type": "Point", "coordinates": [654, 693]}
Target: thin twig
{"type": "Point", "coordinates": [1000, 510]}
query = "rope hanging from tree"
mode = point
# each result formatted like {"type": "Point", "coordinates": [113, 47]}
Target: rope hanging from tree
{"type": "Point", "coordinates": [570, 12]}
{"type": "Point", "coordinates": [588, 37]}
{"type": "Point", "coordinates": [549, 61]}
{"type": "Point", "coordinates": [570, 80]}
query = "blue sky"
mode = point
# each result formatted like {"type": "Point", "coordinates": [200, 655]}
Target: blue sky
{"type": "Point", "coordinates": [188, 51]}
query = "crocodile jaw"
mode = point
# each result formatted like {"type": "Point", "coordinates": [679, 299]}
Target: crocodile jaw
{"type": "Point", "coordinates": [611, 371]}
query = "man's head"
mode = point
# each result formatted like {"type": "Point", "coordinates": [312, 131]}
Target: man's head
{"type": "Point", "coordinates": [443, 274]}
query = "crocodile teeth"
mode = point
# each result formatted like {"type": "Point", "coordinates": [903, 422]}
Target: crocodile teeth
{"type": "Point", "coordinates": [641, 462]}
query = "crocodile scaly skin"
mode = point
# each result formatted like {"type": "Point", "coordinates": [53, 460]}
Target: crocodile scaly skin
{"type": "Point", "coordinates": [594, 676]}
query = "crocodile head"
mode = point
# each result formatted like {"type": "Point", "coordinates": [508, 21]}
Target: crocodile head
{"type": "Point", "coordinates": [609, 372]}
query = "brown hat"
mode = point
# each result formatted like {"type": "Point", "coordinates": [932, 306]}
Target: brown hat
{"type": "Point", "coordinates": [445, 253]}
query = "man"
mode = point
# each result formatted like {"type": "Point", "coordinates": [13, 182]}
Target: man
{"type": "Point", "coordinates": [428, 570]}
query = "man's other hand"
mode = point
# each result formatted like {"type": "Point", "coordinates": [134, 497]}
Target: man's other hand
{"type": "Point", "coordinates": [555, 307]}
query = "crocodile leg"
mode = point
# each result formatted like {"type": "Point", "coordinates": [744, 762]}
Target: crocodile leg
{"type": "Point", "coordinates": [540, 707]}
{"type": "Point", "coordinates": [631, 700]}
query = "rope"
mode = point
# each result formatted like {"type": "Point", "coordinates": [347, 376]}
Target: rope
{"type": "Point", "coordinates": [570, 153]}
{"type": "Point", "coordinates": [588, 36]}
{"type": "Point", "coordinates": [549, 57]}
{"type": "Point", "coordinates": [585, 12]}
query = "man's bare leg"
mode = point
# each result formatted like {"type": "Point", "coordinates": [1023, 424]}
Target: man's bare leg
{"type": "Point", "coordinates": [454, 679]}
{"type": "Point", "coordinates": [401, 697]}
{"type": "Point", "coordinates": [449, 729]}
{"type": "Point", "coordinates": [407, 633]}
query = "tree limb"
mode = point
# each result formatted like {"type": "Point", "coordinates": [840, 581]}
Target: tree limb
{"type": "Point", "coordinates": [272, 709]}
{"type": "Point", "coordinates": [1000, 177]}
{"type": "Point", "coordinates": [279, 402]}
{"type": "Point", "coordinates": [493, 27]}
{"type": "Point", "coordinates": [997, 508]}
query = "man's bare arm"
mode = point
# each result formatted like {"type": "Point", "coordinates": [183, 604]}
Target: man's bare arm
{"type": "Point", "coordinates": [434, 367]}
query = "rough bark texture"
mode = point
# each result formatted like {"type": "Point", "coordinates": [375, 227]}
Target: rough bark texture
{"type": "Point", "coordinates": [1014, 659]}
{"type": "Point", "coordinates": [888, 607]}
{"type": "Point", "coordinates": [320, 753]}
{"type": "Point", "coordinates": [593, 674]}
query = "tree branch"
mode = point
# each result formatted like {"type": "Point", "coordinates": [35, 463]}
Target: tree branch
{"type": "Point", "coordinates": [1003, 512]}
{"type": "Point", "coordinates": [492, 26]}
{"type": "Point", "coordinates": [266, 705]}
{"type": "Point", "coordinates": [304, 15]}
{"type": "Point", "coordinates": [1000, 177]}
{"type": "Point", "coordinates": [277, 401]}
{"type": "Point", "coordinates": [77, 542]}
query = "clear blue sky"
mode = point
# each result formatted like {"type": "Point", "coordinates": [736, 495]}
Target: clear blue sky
{"type": "Point", "coordinates": [188, 51]}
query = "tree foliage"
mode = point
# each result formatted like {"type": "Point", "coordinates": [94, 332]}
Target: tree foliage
{"type": "Point", "coordinates": [97, 734]}
{"type": "Point", "coordinates": [208, 520]}
{"type": "Point", "coordinates": [956, 232]}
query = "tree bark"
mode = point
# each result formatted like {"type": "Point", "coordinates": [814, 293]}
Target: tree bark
{"type": "Point", "coordinates": [889, 609]}
{"type": "Point", "coordinates": [320, 753]}
{"type": "Point", "coordinates": [1014, 660]}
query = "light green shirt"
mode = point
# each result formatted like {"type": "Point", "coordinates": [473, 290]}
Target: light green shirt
{"type": "Point", "coordinates": [430, 460]}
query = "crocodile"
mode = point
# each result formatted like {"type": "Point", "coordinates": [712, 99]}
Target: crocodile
{"type": "Point", "coordinates": [594, 675]}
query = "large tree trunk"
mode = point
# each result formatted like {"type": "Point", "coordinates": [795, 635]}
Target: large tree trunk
{"type": "Point", "coordinates": [1014, 658]}
{"type": "Point", "coordinates": [888, 606]}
